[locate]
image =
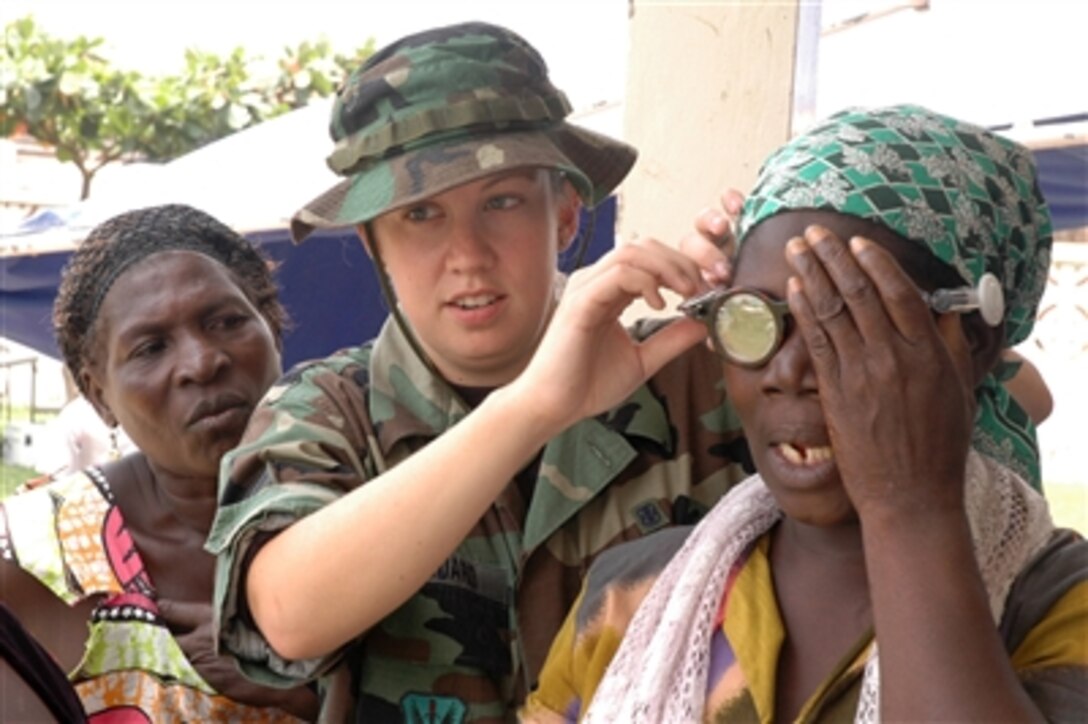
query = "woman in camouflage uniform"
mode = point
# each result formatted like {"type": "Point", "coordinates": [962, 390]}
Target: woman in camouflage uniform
{"type": "Point", "coordinates": [410, 518]}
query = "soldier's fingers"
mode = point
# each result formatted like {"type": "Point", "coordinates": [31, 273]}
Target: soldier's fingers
{"type": "Point", "coordinates": [712, 260]}
{"type": "Point", "coordinates": [733, 202]}
{"type": "Point", "coordinates": [669, 267]}
{"type": "Point", "coordinates": [713, 225]}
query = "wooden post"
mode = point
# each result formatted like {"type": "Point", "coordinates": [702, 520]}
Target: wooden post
{"type": "Point", "coordinates": [709, 94]}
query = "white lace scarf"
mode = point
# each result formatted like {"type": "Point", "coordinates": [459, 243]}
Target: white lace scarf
{"type": "Point", "coordinates": [659, 673]}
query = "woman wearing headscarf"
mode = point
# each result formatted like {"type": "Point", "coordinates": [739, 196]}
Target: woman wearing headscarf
{"type": "Point", "coordinates": [887, 561]}
{"type": "Point", "coordinates": [170, 324]}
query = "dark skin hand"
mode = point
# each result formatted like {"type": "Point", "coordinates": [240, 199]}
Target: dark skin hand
{"type": "Point", "coordinates": [60, 628]}
{"type": "Point", "coordinates": [900, 449]}
{"type": "Point", "coordinates": [191, 624]}
{"type": "Point", "coordinates": [169, 534]}
{"type": "Point", "coordinates": [897, 399]}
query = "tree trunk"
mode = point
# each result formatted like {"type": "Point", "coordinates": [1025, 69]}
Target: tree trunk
{"type": "Point", "coordinates": [88, 176]}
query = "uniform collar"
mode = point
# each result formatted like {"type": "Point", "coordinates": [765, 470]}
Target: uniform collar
{"type": "Point", "coordinates": [407, 401]}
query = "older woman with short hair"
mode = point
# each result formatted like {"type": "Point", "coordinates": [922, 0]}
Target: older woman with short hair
{"type": "Point", "coordinates": [170, 323]}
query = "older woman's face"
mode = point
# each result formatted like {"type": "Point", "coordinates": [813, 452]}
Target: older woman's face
{"type": "Point", "coordinates": [180, 359]}
{"type": "Point", "coordinates": [779, 403]}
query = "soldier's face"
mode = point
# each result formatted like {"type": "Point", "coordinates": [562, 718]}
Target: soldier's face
{"type": "Point", "coordinates": [474, 270]}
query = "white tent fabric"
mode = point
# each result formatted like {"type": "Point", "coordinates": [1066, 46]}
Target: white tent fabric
{"type": "Point", "coordinates": [251, 180]}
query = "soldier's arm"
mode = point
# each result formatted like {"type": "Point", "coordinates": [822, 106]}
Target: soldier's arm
{"type": "Point", "coordinates": [337, 572]}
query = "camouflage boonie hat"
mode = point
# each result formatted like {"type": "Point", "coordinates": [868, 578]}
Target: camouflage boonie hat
{"type": "Point", "coordinates": [445, 107]}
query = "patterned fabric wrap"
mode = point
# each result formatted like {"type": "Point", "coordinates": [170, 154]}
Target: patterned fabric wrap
{"type": "Point", "coordinates": [968, 195]}
{"type": "Point", "coordinates": [447, 106]}
{"type": "Point", "coordinates": [468, 645]}
{"type": "Point", "coordinates": [660, 671]}
{"type": "Point", "coordinates": [71, 537]}
{"type": "Point", "coordinates": [1041, 628]}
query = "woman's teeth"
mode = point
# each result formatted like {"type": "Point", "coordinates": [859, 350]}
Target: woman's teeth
{"type": "Point", "coordinates": [474, 302]}
{"type": "Point", "coordinates": [805, 455]}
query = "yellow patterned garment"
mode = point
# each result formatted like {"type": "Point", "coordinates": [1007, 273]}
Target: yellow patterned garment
{"type": "Point", "coordinates": [1046, 615]}
{"type": "Point", "coordinates": [71, 537]}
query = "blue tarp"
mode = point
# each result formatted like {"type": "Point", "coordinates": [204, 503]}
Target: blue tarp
{"type": "Point", "coordinates": [1063, 175]}
{"type": "Point", "coordinates": [28, 284]}
{"type": "Point", "coordinates": [327, 284]}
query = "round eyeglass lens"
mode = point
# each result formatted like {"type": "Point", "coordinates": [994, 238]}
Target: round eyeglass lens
{"type": "Point", "coordinates": [746, 328]}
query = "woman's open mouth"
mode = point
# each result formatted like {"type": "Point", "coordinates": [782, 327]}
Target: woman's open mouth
{"type": "Point", "coordinates": [476, 309]}
{"type": "Point", "coordinates": [475, 302]}
{"type": "Point", "coordinates": [800, 465]}
{"type": "Point", "coordinates": [805, 455]}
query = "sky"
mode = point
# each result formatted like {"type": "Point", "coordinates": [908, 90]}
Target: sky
{"type": "Point", "coordinates": [583, 41]}
{"type": "Point", "coordinates": [990, 61]}
{"type": "Point", "coordinates": [993, 62]}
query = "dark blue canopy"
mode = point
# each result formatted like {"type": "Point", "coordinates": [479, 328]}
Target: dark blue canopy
{"type": "Point", "coordinates": [330, 289]}
{"type": "Point", "coordinates": [1063, 174]}
{"type": "Point", "coordinates": [327, 284]}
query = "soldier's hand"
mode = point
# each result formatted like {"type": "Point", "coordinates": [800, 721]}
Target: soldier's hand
{"type": "Point", "coordinates": [712, 243]}
{"type": "Point", "coordinates": [587, 362]}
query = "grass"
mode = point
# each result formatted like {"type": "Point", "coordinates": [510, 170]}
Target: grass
{"type": "Point", "coordinates": [12, 476]}
{"type": "Point", "coordinates": [21, 413]}
{"type": "Point", "coordinates": [1068, 505]}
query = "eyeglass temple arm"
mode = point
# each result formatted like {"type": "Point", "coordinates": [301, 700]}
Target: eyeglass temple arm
{"type": "Point", "coordinates": [988, 298]}
{"type": "Point", "coordinates": [699, 306]}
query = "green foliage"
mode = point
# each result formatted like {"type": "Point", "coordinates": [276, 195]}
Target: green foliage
{"type": "Point", "coordinates": [12, 476]}
{"type": "Point", "coordinates": [313, 70]}
{"type": "Point", "coordinates": [65, 94]}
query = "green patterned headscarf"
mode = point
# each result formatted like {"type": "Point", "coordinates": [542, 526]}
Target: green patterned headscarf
{"type": "Point", "coordinates": [971, 197]}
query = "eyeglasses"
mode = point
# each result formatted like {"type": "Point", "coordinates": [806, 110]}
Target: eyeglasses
{"type": "Point", "coordinates": [747, 326]}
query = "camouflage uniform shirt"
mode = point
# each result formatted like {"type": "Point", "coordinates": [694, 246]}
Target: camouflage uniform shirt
{"type": "Point", "coordinates": [469, 644]}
